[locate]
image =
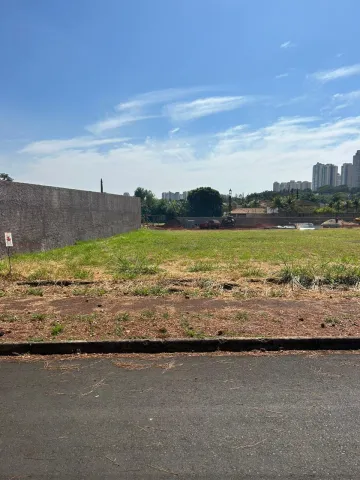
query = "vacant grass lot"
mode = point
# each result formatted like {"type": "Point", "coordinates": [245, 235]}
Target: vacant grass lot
{"type": "Point", "coordinates": [160, 284]}
{"type": "Point", "coordinates": [331, 254]}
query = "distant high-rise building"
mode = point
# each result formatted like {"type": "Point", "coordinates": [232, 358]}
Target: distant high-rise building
{"type": "Point", "coordinates": [324, 175]}
{"type": "Point", "coordinates": [305, 185]}
{"type": "Point", "coordinates": [332, 175]}
{"type": "Point", "coordinates": [347, 174]}
{"type": "Point", "coordinates": [292, 185]}
{"type": "Point", "coordinates": [317, 177]}
{"type": "Point", "coordinates": [356, 170]}
{"type": "Point", "coordinates": [174, 196]}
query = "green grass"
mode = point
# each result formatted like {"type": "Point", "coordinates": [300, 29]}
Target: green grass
{"type": "Point", "coordinates": [119, 320]}
{"type": "Point", "coordinates": [90, 292]}
{"type": "Point", "coordinates": [145, 291]}
{"type": "Point", "coordinates": [331, 321]}
{"type": "Point", "coordinates": [122, 317]}
{"type": "Point", "coordinates": [148, 314]}
{"type": "Point", "coordinates": [201, 267]}
{"type": "Point", "coordinates": [242, 316]}
{"type": "Point", "coordinates": [38, 316]}
{"type": "Point", "coordinates": [252, 272]}
{"type": "Point", "coordinates": [332, 254]}
{"type": "Point", "coordinates": [37, 292]}
{"type": "Point", "coordinates": [310, 274]}
{"type": "Point", "coordinates": [56, 329]}
{"type": "Point", "coordinates": [189, 331]}
{"type": "Point", "coordinates": [8, 317]}
{"type": "Point", "coordinates": [131, 267]}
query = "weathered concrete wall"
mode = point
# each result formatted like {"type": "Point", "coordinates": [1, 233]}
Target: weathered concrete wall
{"type": "Point", "coordinates": [41, 217]}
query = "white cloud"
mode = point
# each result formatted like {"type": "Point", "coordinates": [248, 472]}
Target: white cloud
{"type": "Point", "coordinates": [340, 107]}
{"type": "Point", "coordinates": [159, 96]}
{"type": "Point", "coordinates": [339, 101]}
{"type": "Point", "coordinates": [348, 97]}
{"type": "Point", "coordinates": [287, 44]}
{"type": "Point", "coordinates": [282, 75]}
{"type": "Point", "coordinates": [296, 120]}
{"type": "Point", "coordinates": [283, 149]}
{"type": "Point", "coordinates": [136, 108]}
{"type": "Point", "coordinates": [342, 72]}
{"type": "Point", "coordinates": [231, 131]}
{"type": "Point", "coordinates": [174, 130]}
{"type": "Point", "coordinates": [180, 112]}
{"type": "Point", "coordinates": [118, 121]}
{"type": "Point", "coordinates": [46, 147]}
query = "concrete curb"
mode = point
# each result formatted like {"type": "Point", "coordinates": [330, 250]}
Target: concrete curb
{"type": "Point", "coordinates": [183, 345]}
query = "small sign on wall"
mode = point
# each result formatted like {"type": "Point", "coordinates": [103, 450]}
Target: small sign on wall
{"type": "Point", "coordinates": [8, 240]}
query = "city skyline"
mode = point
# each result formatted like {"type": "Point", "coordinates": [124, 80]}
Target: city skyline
{"type": "Point", "coordinates": [327, 175]}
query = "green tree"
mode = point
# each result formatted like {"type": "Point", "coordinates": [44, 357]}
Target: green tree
{"type": "Point", "coordinates": [141, 193]}
{"type": "Point", "coordinates": [254, 203]}
{"type": "Point", "coordinates": [308, 195]}
{"type": "Point", "coordinates": [176, 208]}
{"type": "Point", "coordinates": [5, 177]}
{"type": "Point", "coordinates": [356, 203]}
{"type": "Point", "coordinates": [348, 205]}
{"type": "Point", "coordinates": [336, 197]}
{"type": "Point", "coordinates": [324, 210]}
{"type": "Point", "coordinates": [338, 205]}
{"type": "Point", "coordinates": [205, 202]}
{"type": "Point", "coordinates": [148, 201]}
{"type": "Point", "coordinates": [290, 204]}
{"type": "Point", "coordinates": [277, 203]}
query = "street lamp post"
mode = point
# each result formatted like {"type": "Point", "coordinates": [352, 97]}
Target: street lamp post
{"type": "Point", "coordinates": [230, 192]}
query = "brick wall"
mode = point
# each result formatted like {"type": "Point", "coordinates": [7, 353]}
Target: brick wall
{"type": "Point", "coordinates": [41, 217]}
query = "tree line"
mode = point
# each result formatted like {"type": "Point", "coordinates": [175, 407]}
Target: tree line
{"type": "Point", "coordinates": [201, 202]}
{"type": "Point", "coordinates": [207, 202]}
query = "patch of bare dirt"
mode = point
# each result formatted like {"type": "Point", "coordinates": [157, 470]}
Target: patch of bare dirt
{"type": "Point", "coordinates": [125, 316]}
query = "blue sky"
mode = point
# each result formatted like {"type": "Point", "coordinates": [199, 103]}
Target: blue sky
{"type": "Point", "coordinates": [171, 95]}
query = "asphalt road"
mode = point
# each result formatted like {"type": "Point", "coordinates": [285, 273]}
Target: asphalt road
{"type": "Point", "coordinates": [266, 417]}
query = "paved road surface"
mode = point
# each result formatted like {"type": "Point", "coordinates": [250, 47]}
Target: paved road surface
{"type": "Point", "coordinates": [267, 417]}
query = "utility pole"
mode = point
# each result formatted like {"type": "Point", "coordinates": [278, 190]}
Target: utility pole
{"type": "Point", "coordinates": [101, 186]}
{"type": "Point", "coordinates": [230, 192]}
